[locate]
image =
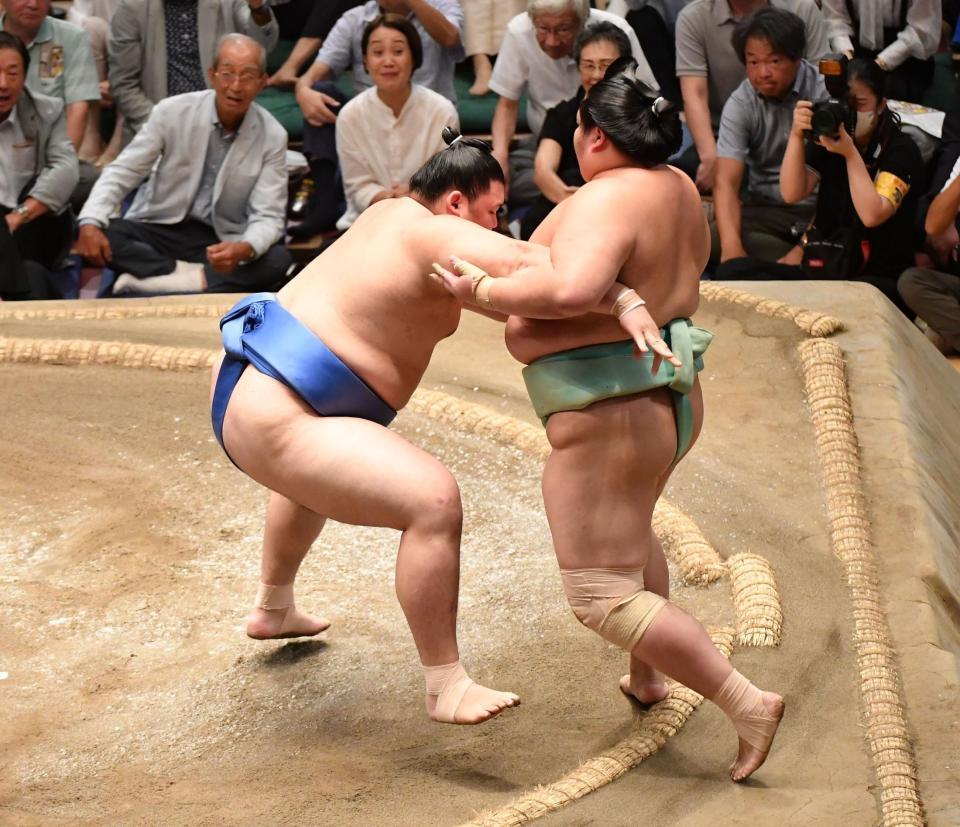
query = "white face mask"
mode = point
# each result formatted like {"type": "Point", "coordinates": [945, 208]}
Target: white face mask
{"type": "Point", "coordinates": [865, 124]}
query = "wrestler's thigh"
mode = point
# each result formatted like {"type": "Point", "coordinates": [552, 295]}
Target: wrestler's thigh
{"type": "Point", "coordinates": [351, 470]}
{"type": "Point", "coordinates": [602, 480]}
{"type": "Point", "coordinates": [696, 403]}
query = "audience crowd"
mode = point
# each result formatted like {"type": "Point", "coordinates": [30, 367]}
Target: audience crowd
{"type": "Point", "coordinates": [137, 136]}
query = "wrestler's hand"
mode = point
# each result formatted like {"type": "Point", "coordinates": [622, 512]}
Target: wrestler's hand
{"type": "Point", "coordinates": [646, 336]}
{"type": "Point", "coordinates": [462, 283]}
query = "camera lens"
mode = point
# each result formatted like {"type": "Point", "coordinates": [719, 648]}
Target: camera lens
{"type": "Point", "coordinates": [826, 118]}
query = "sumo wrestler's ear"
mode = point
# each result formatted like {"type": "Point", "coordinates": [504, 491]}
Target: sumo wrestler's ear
{"type": "Point", "coordinates": [599, 140]}
{"type": "Point", "coordinates": [453, 201]}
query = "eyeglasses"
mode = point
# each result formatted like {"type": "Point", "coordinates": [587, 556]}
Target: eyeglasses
{"type": "Point", "coordinates": [589, 66]}
{"type": "Point", "coordinates": [558, 31]}
{"type": "Point", "coordinates": [247, 78]}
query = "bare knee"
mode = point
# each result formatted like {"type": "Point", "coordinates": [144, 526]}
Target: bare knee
{"type": "Point", "coordinates": [438, 508]}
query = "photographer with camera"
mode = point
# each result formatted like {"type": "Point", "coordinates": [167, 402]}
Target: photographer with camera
{"type": "Point", "coordinates": [863, 228]}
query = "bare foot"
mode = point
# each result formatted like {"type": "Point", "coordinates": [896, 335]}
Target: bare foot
{"type": "Point", "coordinates": [277, 624]}
{"type": "Point", "coordinates": [482, 71]}
{"type": "Point", "coordinates": [480, 87]}
{"type": "Point", "coordinates": [283, 78]}
{"type": "Point", "coordinates": [762, 728]}
{"type": "Point", "coordinates": [646, 692]}
{"type": "Point", "coordinates": [478, 704]}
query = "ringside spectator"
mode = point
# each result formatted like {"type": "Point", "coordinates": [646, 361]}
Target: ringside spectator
{"type": "Point", "coordinates": [753, 135]}
{"type": "Point", "coordinates": [388, 132]}
{"type": "Point", "coordinates": [202, 220]}
{"type": "Point", "coordinates": [556, 170]}
{"type": "Point", "coordinates": [537, 57]}
{"type": "Point", "coordinates": [709, 70]}
{"type": "Point", "coordinates": [160, 48]}
{"type": "Point", "coordinates": [901, 35]}
{"type": "Point", "coordinates": [61, 62]}
{"type": "Point", "coordinates": [38, 171]}
{"type": "Point", "coordinates": [438, 24]}
{"type": "Point", "coordinates": [863, 228]}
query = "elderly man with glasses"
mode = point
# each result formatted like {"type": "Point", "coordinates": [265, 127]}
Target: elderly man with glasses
{"type": "Point", "coordinates": [537, 57]}
{"type": "Point", "coordinates": [210, 213]}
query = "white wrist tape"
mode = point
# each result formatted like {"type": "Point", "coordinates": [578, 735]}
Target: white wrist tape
{"type": "Point", "coordinates": [627, 300]}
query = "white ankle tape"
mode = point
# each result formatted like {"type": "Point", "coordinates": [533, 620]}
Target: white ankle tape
{"type": "Point", "coordinates": [612, 602]}
{"type": "Point", "coordinates": [274, 597]}
{"type": "Point", "coordinates": [438, 676]}
{"type": "Point", "coordinates": [449, 683]}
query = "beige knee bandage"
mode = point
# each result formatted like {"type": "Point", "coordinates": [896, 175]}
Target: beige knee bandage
{"type": "Point", "coordinates": [612, 602]}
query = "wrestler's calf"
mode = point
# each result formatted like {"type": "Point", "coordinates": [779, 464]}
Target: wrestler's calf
{"type": "Point", "coordinates": [615, 605]}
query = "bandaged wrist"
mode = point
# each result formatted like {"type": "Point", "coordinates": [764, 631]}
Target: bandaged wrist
{"type": "Point", "coordinates": [481, 291]}
{"type": "Point", "coordinates": [627, 300]}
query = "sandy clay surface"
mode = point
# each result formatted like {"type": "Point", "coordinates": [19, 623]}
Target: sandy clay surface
{"type": "Point", "coordinates": [129, 550]}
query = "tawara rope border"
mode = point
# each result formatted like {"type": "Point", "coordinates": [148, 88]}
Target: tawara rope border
{"type": "Point", "coordinates": [824, 378]}
{"type": "Point", "coordinates": [109, 310]}
{"type": "Point", "coordinates": [825, 383]}
{"type": "Point", "coordinates": [809, 321]}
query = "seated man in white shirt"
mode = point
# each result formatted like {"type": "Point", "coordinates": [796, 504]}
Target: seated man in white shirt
{"type": "Point", "coordinates": [537, 56]}
{"type": "Point", "coordinates": [211, 212]}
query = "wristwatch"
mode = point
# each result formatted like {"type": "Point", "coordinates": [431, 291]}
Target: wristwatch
{"type": "Point", "coordinates": [23, 211]}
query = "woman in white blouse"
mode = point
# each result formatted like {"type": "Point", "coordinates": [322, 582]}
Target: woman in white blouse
{"type": "Point", "coordinates": [389, 131]}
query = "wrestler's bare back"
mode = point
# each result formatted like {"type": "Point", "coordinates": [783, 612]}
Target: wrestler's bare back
{"type": "Point", "coordinates": [369, 299]}
{"type": "Point", "coordinates": [662, 209]}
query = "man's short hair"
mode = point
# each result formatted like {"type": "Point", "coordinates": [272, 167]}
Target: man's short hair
{"type": "Point", "coordinates": [782, 29]}
{"type": "Point", "coordinates": [10, 41]}
{"type": "Point", "coordinates": [602, 31]}
{"type": "Point", "coordinates": [581, 8]}
{"type": "Point", "coordinates": [399, 23]}
{"type": "Point", "coordinates": [236, 37]}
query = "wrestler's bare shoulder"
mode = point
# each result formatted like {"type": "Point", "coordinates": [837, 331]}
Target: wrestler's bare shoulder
{"type": "Point", "coordinates": [643, 187]}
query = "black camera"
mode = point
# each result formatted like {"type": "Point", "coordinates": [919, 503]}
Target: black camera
{"type": "Point", "coordinates": [831, 114]}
